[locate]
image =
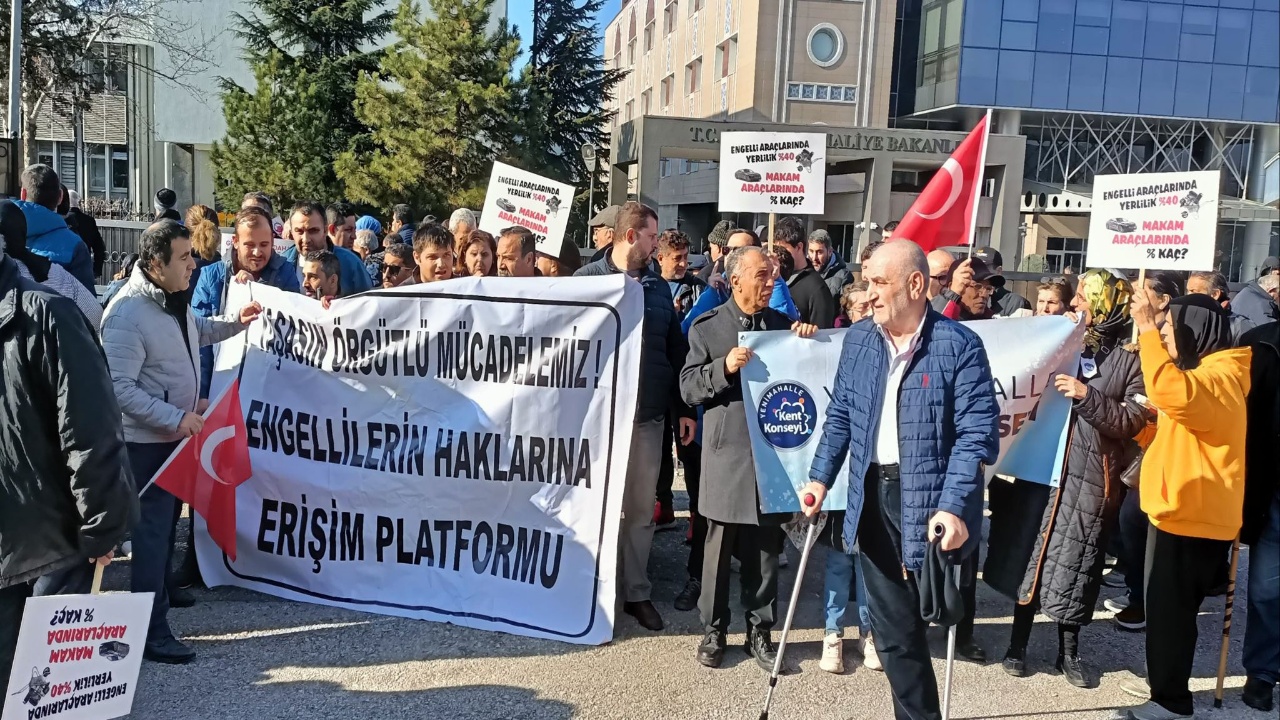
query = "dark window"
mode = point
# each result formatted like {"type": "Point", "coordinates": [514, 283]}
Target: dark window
{"type": "Point", "coordinates": [982, 22]}
{"type": "Point", "coordinates": [1159, 77]}
{"type": "Point", "coordinates": [1017, 9]}
{"type": "Point", "coordinates": [1226, 93]}
{"type": "Point", "coordinates": [1056, 22]}
{"type": "Point", "coordinates": [1129, 27]}
{"type": "Point", "coordinates": [1260, 101]}
{"type": "Point", "coordinates": [1191, 98]}
{"type": "Point", "coordinates": [1096, 13]}
{"type": "Point", "coordinates": [1050, 87]}
{"type": "Point", "coordinates": [1091, 40]}
{"type": "Point", "coordinates": [1085, 92]}
{"type": "Point", "coordinates": [978, 77]}
{"type": "Point", "coordinates": [1264, 47]}
{"type": "Point", "coordinates": [1232, 45]}
{"type": "Point", "coordinates": [1124, 83]}
{"type": "Point", "coordinates": [1013, 88]}
{"type": "Point", "coordinates": [1164, 27]}
{"type": "Point", "coordinates": [1018, 35]}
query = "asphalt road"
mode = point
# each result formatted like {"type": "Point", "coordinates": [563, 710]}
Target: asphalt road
{"type": "Point", "coordinates": [262, 657]}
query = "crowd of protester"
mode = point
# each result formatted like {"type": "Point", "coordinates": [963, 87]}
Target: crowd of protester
{"type": "Point", "coordinates": [1172, 449]}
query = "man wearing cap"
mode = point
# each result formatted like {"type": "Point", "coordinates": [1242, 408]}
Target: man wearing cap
{"type": "Point", "coordinates": [602, 231]}
{"type": "Point", "coordinates": [1257, 300]}
{"type": "Point", "coordinates": [967, 292]}
{"type": "Point", "coordinates": [717, 240]}
{"type": "Point", "coordinates": [1005, 303]}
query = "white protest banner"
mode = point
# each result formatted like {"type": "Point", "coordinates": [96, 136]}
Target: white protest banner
{"type": "Point", "coordinates": [764, 172]}
{"type": "Point", "coordinates": [788, 385]}
{"type": "Point", "coordinates": [1154, 221]}
{"type": "Point", "coordinates": [78, 657]}
{"type": "Point", "coordinates": [518, 197]}
{"type": "Point", "coordinates": [452, 452]}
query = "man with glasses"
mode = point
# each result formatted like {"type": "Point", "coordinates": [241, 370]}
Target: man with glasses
{"type": "Point", "coordinates": [939, 265]}
{"type": "Point", "coordinates": [397, 265]}
{"type": "Point", "coordinates": [967, 291]}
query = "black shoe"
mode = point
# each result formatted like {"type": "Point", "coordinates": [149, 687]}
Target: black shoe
{"type": "Point", "coordinates": [181, 598]}
{"type": "Point", "coordinates": [1072, 668]}
{"type": "Point", "coordinates": [1015, 663]}
{"type": "Point", "coordinates": [170, 650]}
{"type": "Point", "coordinates": [1257, 694]}
{"type": "Point", "coordinates": [711, 651]}
{"type": "Point", "coordinates": [645, 613]}
{"type": "Point", "coordinates": [971, 651]}
{"type": "Point", "coordinates": [760, 646]}
{"type": "Point", "coordinates": [688, 597]}
{"type": "Point", "coordinates": [1132, 618]}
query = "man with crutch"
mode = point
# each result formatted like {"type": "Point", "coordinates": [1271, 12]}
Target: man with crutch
{"type": "Point", "coordinates": [728, 497]}
{"type": "Point", "coordinates": [914, 407]}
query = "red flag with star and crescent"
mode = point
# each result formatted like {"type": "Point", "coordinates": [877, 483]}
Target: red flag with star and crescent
{"type": "Point", "coordinates": [943, 213]}
{"type": "Point", "coordinates": [206, 468]}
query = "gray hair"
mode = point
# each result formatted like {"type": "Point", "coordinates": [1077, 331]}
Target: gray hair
{"type": "Point", "coordinates": [821, 236]}
{"type": "Point", "coordinates": [1269, 282]}
{"type": "Point", "coordinates": [368, 239]}
{"type": "Point", "coordinates": [461, 215]}
{"type": "Point", "coordinates": [737, 255]}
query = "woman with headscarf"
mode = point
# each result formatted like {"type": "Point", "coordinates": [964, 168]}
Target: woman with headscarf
{"type": "Point", "coordinates": [1192, 480]}
{"type": "Point", "coordinates": [13, 225]}
{"type": "Point", "coordinates": [1055, 566]}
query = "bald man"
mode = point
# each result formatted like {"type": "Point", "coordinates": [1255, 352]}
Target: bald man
{"type": "Point", "coordinates": [939, 265]}
{"type": "Point", "coordinates": [912, 468]}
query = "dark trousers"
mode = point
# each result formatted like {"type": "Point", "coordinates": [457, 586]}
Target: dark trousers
{"type": "Point", "coordinates": [691, 457]}
{"type": "Point", "coordinates": [12, 600]}
{"type": "Point", "coordinates": [1180, 573]}
{"type": "Point", "coordinates": [757, 548]}
{"type": "Point", "coordinates": [895, 602]}
{"type": "Point", "coordinates": [76, 579]}
{"type": "Point", "coordinates": [969, 591]}
{"type": "Point", "coordinates": [153, 536]}
{"type": "Point", "coordinates": [1133, 545]}
{"type": "Point", "coordinates": [667, 468]}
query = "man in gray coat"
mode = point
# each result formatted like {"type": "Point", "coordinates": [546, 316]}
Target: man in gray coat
{"type": "Point", "coordinates": [152, 340]}
{"type": "Point", "coordinates": [728, 498]}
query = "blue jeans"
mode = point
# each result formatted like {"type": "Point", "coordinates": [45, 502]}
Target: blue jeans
{"type": "Point", "coordinates": [1262, 626]}
{"type": "Point", "coordinates": [153, 536]}
{"type": "Point", "coordinates": [840, 577]}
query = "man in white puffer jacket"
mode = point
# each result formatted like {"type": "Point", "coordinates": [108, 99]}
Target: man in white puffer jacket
{"type": "Point", "coordinates": [152, 340]}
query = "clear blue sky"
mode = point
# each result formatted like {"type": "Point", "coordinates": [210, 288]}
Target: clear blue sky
{"type": "Point", "coordinates": [520, 14]}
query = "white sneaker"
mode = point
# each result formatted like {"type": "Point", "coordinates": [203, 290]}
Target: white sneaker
{"type": "Point", "coordinates": [832, 654]}
{"type": "Point", "coordinates": [1115, 604]}
{"type": "Point", "coordinates": [870, 660]}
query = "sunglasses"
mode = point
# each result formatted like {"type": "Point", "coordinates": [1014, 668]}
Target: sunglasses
{"type": "Point", "coordinates": [395, 269]}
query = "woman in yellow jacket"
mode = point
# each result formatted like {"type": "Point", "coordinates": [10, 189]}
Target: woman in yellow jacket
{"type": "Point", "coordinates": [1192, 484]}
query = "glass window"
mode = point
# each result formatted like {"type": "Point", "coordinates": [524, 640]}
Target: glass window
{"type": "Point", "coordinates": [1246, 4]}
{"type": "Point", "coordinates": [1260, 99]}
{"type": "Point", "coordinates": [1013, 87]}
{"type": "Point", "coordinates": [1096, 13]}
{"type": "Point", "coordinates": [44, 153]}
{"type": "Point", "coordinates": [1084, 92]}
{"type": "Point", "coordinates": [1199, 20]}
{"type": "Point", "coordinates": [1226, 93]}
{"type": "Point", "coordinates": [1124, 82]}
{"type": "Point", "coordinates": [117, 79]}
{"type": "Point", "coordinates": [1266, 39]}
{"type": "Point", "coordinates": [97, 168]}
{"type": "Point", "coordinates": [952, 21]}
{"type": "Point", "coordinates": [932, 38]}
{"type": "Point", "coordinates": [1128, 25]}
{"type": "Point", "coordinates": [1164, 27]}
{"type": "Point", "coordinates": [1232, 45]}
{"type": "Point", "coordinates": [1056, 23]}
{"type": "Point", "coordinates": [978, 77]}
{"type": "Point", "coordinates": [1091, 40]}
{"type": "Point", "coordinates": [1027, 10]}
{"type": "Point", "coordinates": [1018, 35]}
{"type": "Point", "coordinates": [1158, 80]}
{"type": "Point", "coordinates": [824, 46]}
{"type": "Point", "coordinates": [982, 21]}
{"type": "Point", "coordinates": [1196, 48]}
{"type": "Point", "coordinates": [1273, 5]}
{"type": "Point", "coordinates": [1191, 96]}
{"type": "Point", "coordinates": [119, 169]}
{"type": "Point", "coordinates": [1050, 89]}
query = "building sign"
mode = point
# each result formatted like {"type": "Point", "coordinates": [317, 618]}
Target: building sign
{"type": "Point", "coordinates": [764, 172]}
{"type": "Point", "coordinates": [518, 197]}
{"type": "Point", "coordinates": [858, 141]}
{"type": "Point", "coordinates": [1154, 221]}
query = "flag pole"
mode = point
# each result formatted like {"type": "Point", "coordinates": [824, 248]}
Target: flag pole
{"type": "Point", "coordinates": [977, 185]}
{"type": "Point", "coordinates": [772, 217]}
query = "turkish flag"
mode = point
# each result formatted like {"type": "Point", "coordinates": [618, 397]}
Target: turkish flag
{"type": "Point", "coordinates": [206, 468]}
{"type": "Point", "coordinates": [943, 213]}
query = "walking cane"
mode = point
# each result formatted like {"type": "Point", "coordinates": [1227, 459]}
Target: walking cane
{"type": "Point", "coordinates": [939, 530]}
{"type": "Point", "coordinates": [1226, 621]}
{"type": "Point", "coordinates": [809, 500]}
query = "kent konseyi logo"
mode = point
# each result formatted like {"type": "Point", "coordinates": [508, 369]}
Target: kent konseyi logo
{"type": "Point", "coordinates": [786, 415]}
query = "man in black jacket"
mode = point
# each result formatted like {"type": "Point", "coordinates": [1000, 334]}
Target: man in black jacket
{"type": "Point", "coordinates": [808, 290]}
{"type": "Point", "coordinates": [66, 494]}
{"type": "Point", "coordinates": [729, 498]}
{"type": "Point", "coordinates": [1261, 529]}
{"type": "Point", "coordinates": [664, 348]}
{"type": "Point", "coordinates": [83, 224]}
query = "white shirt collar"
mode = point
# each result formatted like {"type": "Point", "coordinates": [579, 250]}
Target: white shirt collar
{"type": "Point", "coordinates": [912, 344]}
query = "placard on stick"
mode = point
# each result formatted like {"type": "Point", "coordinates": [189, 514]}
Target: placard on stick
{"type": "Point", "coordinates": [1154, 221]}
{"type": "Point", "coordinates": [763, 172]}
{"type": "Point", "coordinates": [78, 657]}
{"type": "Point", "coordinates": [518, 197]}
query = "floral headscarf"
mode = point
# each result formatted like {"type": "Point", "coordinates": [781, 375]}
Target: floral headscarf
{"type": "Point", "coordinates": [1108, 298]}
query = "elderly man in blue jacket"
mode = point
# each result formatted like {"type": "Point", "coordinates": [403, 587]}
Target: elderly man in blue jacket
{"type": "Point", "coordinates": [914, 409]}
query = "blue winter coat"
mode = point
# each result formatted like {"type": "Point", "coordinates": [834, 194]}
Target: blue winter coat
{"type": "Point", "coordinates": [49, 237]}
{"type": "Point", "coordinates": [210, 299]}
{"type": "Point", "coordinates": [353, 276]}
{"type": "Point", "coordinates": [947, 427]}
{"type": "Point", "coordinates": [713, 298]}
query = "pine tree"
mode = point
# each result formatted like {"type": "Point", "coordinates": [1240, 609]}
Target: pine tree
{"type": "Point", "coordinates": [438, 108]}
{"type": "Point", "coordinates": [284, 135]}
{"type": "Point", "coordinates": [566, 87]}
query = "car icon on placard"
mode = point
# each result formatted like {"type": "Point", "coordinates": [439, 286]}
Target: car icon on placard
{"type": "Point", "coordinates": [1121, 225]}
{"type": "Point", "coordinates": [747, 175]}
{"type": "Point", "coordinates": [507, 205]}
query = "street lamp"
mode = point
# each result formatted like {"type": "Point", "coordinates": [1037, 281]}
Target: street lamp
{"type": "Point", "coordinates": [589, 157]}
